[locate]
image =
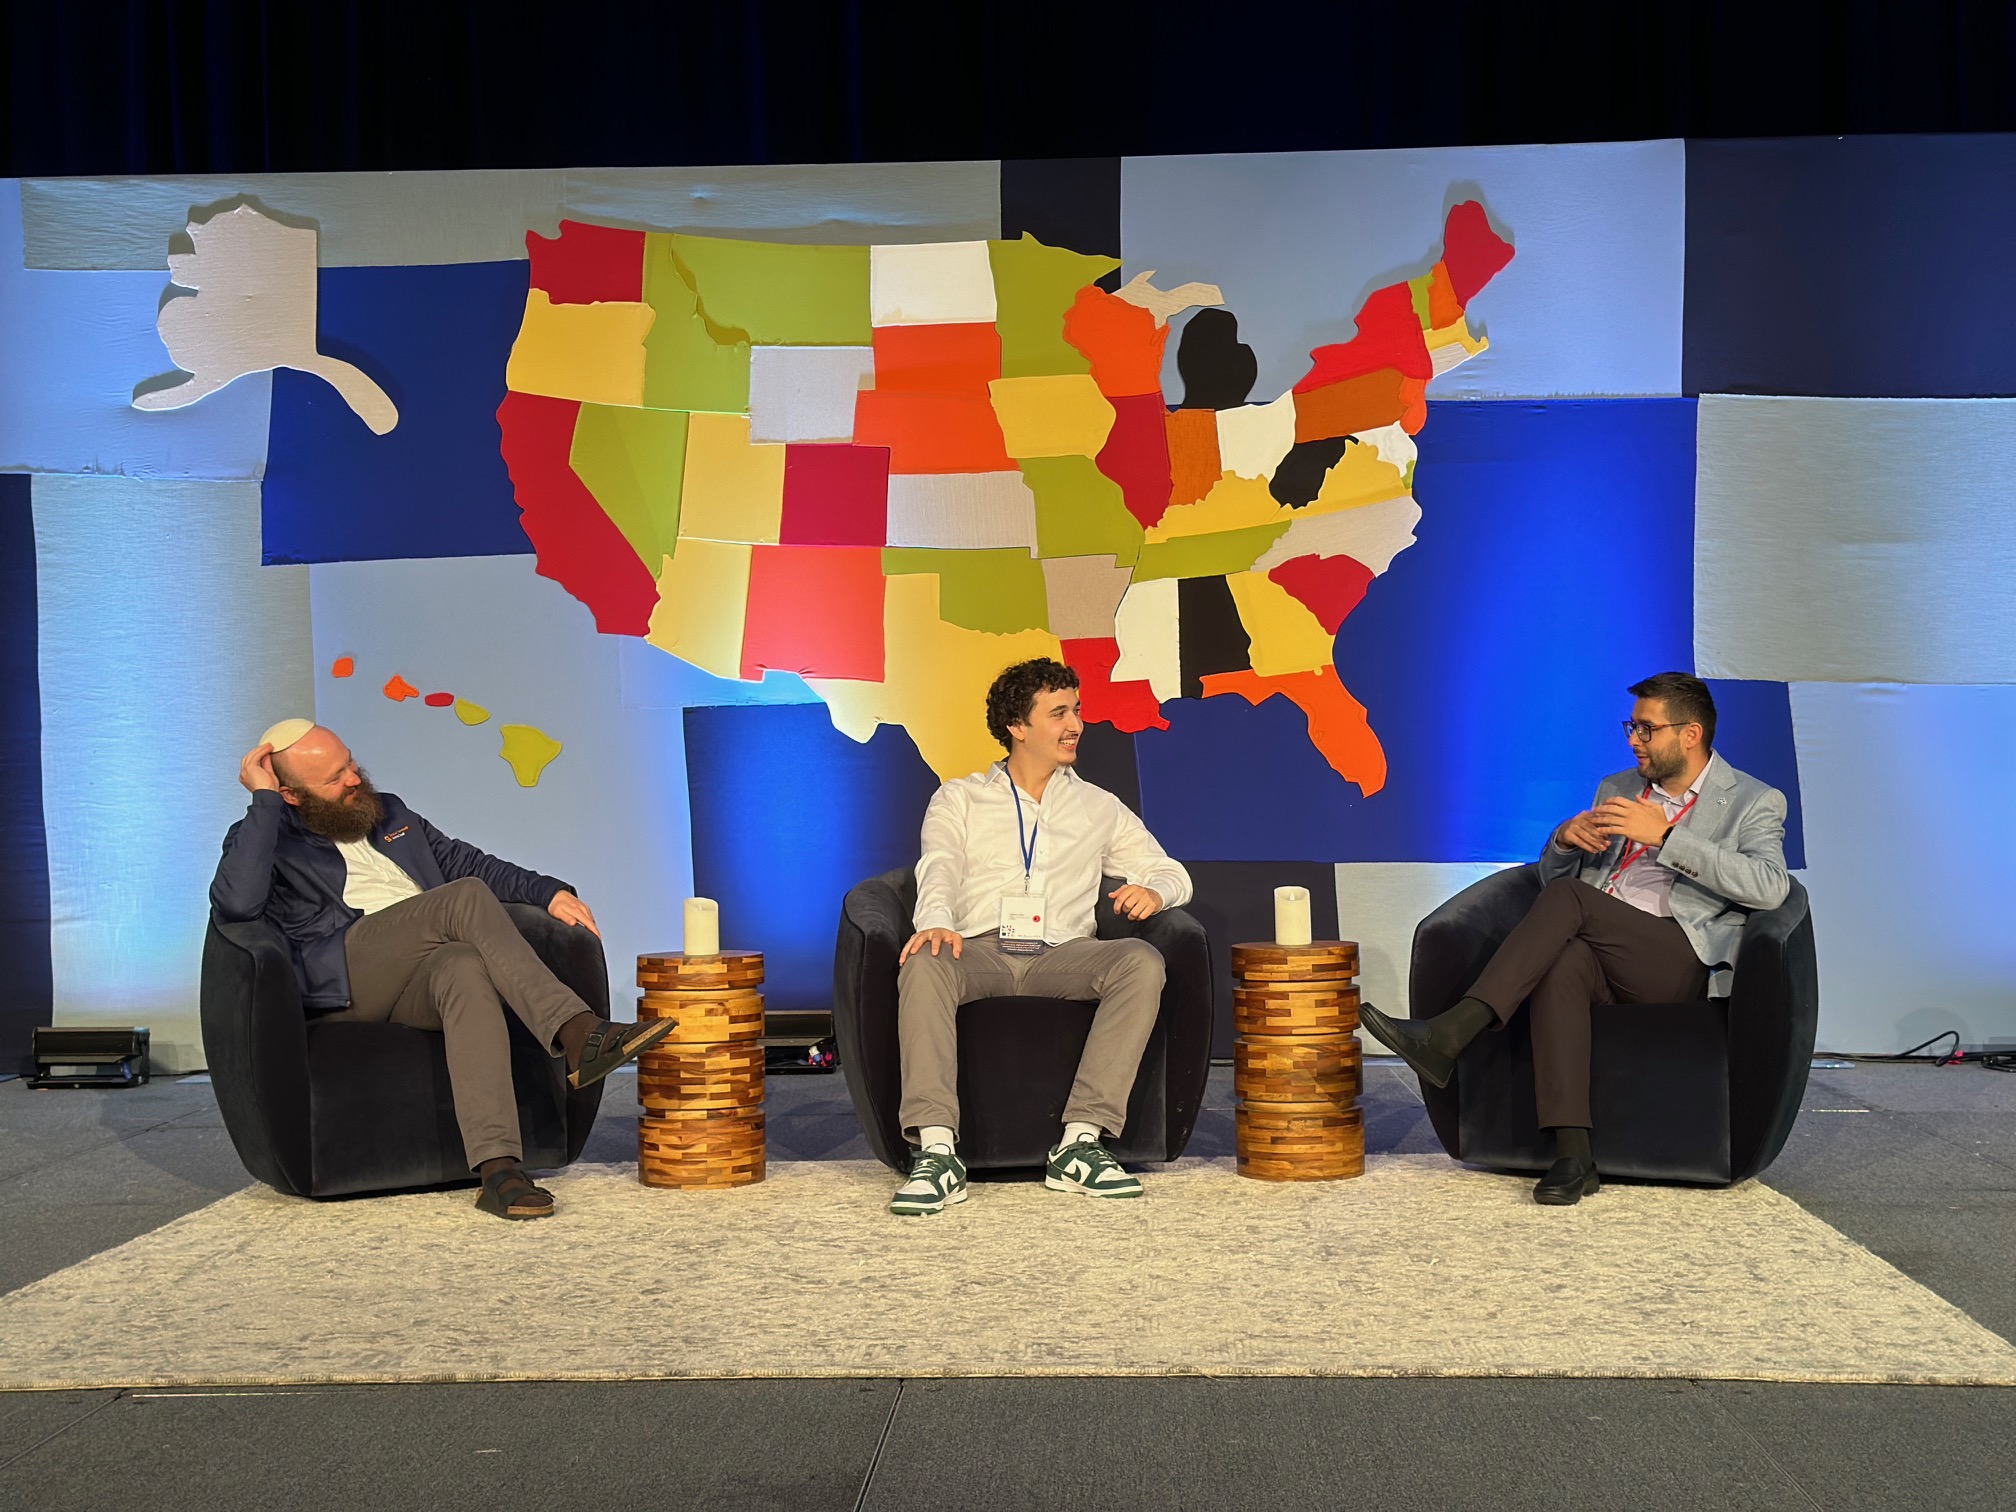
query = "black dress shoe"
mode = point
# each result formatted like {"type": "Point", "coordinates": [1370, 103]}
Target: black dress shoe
{"type": "Point", "coordinates": [1410, 1043]}
{"type": "Point", "coordinates": [1567, 1182]}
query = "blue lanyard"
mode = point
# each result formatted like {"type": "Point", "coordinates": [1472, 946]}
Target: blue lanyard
{"type": "Point", "coordinates": [1026, 841]}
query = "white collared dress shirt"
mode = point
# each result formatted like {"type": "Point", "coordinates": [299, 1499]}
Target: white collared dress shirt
{"type": "Point", "coordinates": [1646, 884]}
{"type": "Point", "coordinates": [973, 854]}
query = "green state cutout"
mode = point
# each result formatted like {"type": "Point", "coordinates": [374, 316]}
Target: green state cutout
{"type": "Point", "coordinates": [1080, 511]}
{"type": "Point", "coordinates": [1033, 286]}
{"type": "Point", "coordinates": [1207, 555]}
{"type": "Point", "coordinates": [633, 461]}
{"type": "Point", "coordinates": [998, 591]}
{"type": "Point", "coordinates": [688, 365]}
{"type": "Point", "coordinates": [777, 293]}
{"type": "Point", "coordinates": [529, 751]}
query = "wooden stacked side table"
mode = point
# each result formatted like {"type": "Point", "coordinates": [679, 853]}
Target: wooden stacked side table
{"type": "Point", "coordinates": [1297, 1069]}
{"type": "Point", "coordinates": [702, 1086]}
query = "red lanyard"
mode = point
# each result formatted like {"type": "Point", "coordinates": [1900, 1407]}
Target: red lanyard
{"type": "Point", "coordinates": [1633, 850]}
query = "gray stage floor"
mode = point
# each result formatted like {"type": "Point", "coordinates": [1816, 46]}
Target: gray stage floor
{"type": "Point", "coordinates": [1916, 1162]}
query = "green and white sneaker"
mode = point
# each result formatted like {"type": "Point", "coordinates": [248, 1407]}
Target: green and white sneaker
{"type": "Point", "coordinates": [1086, 1166]}
{"type": "Point", "coordinates": [936, 1178]}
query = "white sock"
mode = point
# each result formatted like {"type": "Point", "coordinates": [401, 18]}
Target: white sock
{"type": "Point", "coordinates": [935, 1137]}
{"type": "Point", "coordinates": [1073, 1132]}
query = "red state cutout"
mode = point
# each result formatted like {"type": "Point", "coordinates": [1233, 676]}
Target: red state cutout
{"type": "Point", "coordinates": [814, 610]}
{"type": "Point", "coordinates": [835, 495]}
{"type": "Point", "coordinates": [343, 666]}
{"type": "Point", "coordinates": [439, 700]}
{"type": "Point", "coordinates": [585, 263]}
{"type": "Point", "coordinates": [1471, 251]}
{"type": "Point", "coordinates": [1136, 455]}
{"type": "Point", "coordinates": [578, 546]}
{"type": "Point", "coordinates": [1120, 340]}
{"type": "Point", "coordinates": [1389, 336]}
{"type": "Point", "coordinates": [936, 359]}
{"type": "Point", "coordinates": [1328, 587]}
{"type": "Point", "coordinates": [399, 690]}
{"type": "Point", "coordinates": [1129, 707]}
{"type": "Point", "coordinates": [932, 433]}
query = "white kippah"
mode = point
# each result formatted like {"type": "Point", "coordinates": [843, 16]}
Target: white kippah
{"type": "Point", "coordinates": [285, 733]}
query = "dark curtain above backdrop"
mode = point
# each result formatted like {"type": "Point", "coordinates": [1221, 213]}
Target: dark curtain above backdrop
{"type": "Point", "coordinates": [191, 86]}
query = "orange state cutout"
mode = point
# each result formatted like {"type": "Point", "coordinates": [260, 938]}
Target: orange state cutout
{"type": "Point", "coordinates": [1121, 341]}
{"type": "Point", "coordinates": [1337, 723]}
{"type": "Point", "coordinates": [932, 433]}
{"type": "Point", "coordinates": [1444, 308]}
{"type": "Point", "coordinates": [398, 690]}
{"type": "Point", "coordinates": [1194, 465]}
{"type": "Point", "coordinates": [1356, 405]}
{"type": "Point", "coordinates": [1414, 396]}
{"type": "Point", "coordinates": [936, 359]}
{"type": "Point", "coordinates": [343, 666]}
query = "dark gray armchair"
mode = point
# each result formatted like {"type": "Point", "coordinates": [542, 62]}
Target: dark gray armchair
{"type": "Point", "coordinates": [1018, 1056]}
{"type": "Point", "coordinates": [327, 1110]}
{"type": "Point", "coordinates": [1702, 1092]}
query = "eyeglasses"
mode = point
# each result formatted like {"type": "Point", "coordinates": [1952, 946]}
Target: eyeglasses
{"type": "Point", "coordinates": [1645, 731]}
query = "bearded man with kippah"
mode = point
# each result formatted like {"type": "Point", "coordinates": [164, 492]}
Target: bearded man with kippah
{"type": "Point", "coordinates": [392, 921]}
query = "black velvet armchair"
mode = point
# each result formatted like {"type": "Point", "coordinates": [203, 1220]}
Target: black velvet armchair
{"type": "Point", "coordinates": [1702, 1092]}
{"type": "Point", "coordinates": [1017, 1056]}
{"type": "Point", "coordinates": [328, 1110]}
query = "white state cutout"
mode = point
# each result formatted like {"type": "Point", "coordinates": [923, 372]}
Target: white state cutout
{"type": "Point", "coordinates": [961, 511]}
{"type": "Point", "coordinates": [1393, 444]}
{"type": "Point", "coordinates": [1146, 629]}
{"type": "Point", "coordinates": [1164, 304]}
{"type": "Point", "coordinates": [1253, 438]}
{"type": "Point", "coordinates": [930, 283]}
{"type": "Point", "coordinates": [253, 310]}
{"type": "Point", "coordinates": [1373, 534]}
{"type": "Point", "coordinates": [806, 393]}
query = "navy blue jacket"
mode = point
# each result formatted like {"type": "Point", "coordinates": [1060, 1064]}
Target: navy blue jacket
{"type": "Point", "coordinates": [276, 868]}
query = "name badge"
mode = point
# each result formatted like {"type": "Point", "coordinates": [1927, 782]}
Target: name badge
{"type": "Point", "coordinates": [1022, 924]}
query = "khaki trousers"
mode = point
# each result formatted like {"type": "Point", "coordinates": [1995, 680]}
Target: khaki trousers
{"type": "Point", "coordinates": [1123, 976]}
{"type": "Point", "coordinates": [449, 961]}
{"type": "Point", "coordinates": [1578, 946]}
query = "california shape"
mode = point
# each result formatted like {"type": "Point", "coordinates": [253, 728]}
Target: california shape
{"type": "Point", "coordinates": [252, 309]}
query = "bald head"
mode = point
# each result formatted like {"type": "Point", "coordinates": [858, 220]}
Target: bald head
{"type": "Point", "coordinates": [315, 760]}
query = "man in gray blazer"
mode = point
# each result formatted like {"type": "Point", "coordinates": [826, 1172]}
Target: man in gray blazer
{"type": "Point", "coordinates": [1646, 896]}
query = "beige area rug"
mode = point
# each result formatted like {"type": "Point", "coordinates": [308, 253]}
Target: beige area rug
{"type": "Point", "coordinates": [1418, 1268]}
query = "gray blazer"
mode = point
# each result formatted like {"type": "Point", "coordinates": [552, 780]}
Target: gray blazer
{"type": "Point", "coordinates": [1728, 857]}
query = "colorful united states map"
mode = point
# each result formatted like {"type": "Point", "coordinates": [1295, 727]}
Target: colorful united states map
{"type": "Point", "coordinates": [893, 470]}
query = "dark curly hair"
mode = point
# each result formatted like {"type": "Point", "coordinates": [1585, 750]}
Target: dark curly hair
{"type": "Point", "coordinates": [1014, 694]}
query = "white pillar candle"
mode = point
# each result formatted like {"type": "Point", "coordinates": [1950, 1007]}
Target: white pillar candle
{"type": "Point", "coordinates": [1291, 916]}
{"type": "Point", "coordinates": [703, 927]}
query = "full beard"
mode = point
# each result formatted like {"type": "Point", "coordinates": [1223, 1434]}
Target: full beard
{"type": "Point", "coordinates": [1662, 770]}
{"type": "Point", "coordinates": [345, 819]}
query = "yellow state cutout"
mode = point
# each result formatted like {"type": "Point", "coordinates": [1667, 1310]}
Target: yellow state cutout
{"type": "Point", "coordinates": [934, 676]}
{"type": "Point", "coordinates": [732, 491]}
{"type": "Point", "coordinates": [529, 751]}
{"type": "Point", "coordinates": [1234, 503]}
{"type": "Point", "coordinates": [1360, 477]}
{"type": "Point", "coordinates": [1286, 636]}
{"type": "Point", "coordinates": [1456, 334]}
{"type": "Point", "coordinates": [590, 352]}
{"type": "Point", "coordinates": [1056, 415]}
{"type": "Point", "coordinates": [703, 602]}
{"type": "Point", "coordinates": [469, 713]}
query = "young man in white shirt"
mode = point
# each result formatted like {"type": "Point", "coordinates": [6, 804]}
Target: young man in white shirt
{"type": "Point", "coordinates": [1006, 888]}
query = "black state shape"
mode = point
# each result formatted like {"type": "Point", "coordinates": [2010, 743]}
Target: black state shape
{"type": "Point", "coordinates": [1209, 636]}
{"type": "Point", "coordinates": [1299, 477]}
{"type": "Point", "coordinates": [1218, 369]}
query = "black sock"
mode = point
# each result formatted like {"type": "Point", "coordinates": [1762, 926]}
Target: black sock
{"type": "Point", "coordinates": [574, 1037]}
{"type": "Point", "coordinates": [1449, 1032]}
{"type": "Point", "coordinates": [1572, 1144]}
{"type": "Point", "coordinates": [497, 1163]}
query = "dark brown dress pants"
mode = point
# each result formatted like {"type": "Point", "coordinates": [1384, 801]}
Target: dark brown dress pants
{"type": "Point", "coordinates": [1578, 946]}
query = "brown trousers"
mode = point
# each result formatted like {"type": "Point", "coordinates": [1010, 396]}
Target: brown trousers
{"type": "Point", "coordinates": [1578, 946]}
{"type": "Point", "coordinates": [449, 961]}
{"type": "Point", "coordinates": [1123, 976]}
